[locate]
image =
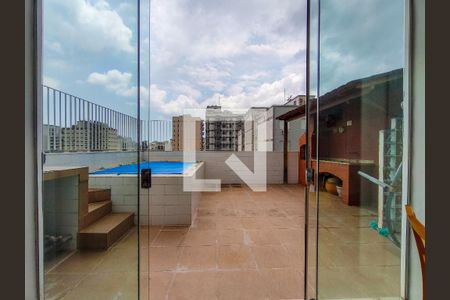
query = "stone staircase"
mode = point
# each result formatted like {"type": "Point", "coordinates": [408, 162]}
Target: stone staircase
{"type": "Point", "coordinates": [99, 227]}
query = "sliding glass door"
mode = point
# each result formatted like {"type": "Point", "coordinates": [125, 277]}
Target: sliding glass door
{"type": "Point", "coordinates": [310, 144]}
{"type": "Point", "coordinates": [224, 215]}
{"type": "Point", "coordinates": [358, 126]}
{"type": "Point", "coordinates": [89, 124]}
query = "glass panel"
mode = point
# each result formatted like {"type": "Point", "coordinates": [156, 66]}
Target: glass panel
{"type": "Point", "coordinates": [146, 234]}
{"type": "Point", "coordinates": [90, 79]}
{"type": "Point", "coordinates": [230, 222]}
{"type": "Point", "coordinates": [310, 141]}
{"type": "Point", "coordinates": [360, 149]}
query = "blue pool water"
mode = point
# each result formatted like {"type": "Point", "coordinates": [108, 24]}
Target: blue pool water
{"type": "Point", "coordinates": [158, 167]}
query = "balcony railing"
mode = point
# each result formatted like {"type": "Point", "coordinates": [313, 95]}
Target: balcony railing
{"type": "Point", "coordinates": [73, 124]}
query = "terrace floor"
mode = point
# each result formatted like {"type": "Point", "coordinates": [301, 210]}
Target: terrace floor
{"type": "Point", "coordinates": [243, 245]}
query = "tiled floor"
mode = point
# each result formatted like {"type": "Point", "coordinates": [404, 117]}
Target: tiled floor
{"type": "Point", "coordinates": [110, 274]}
{"type": "Point", "coordinates": [243, 245]}
{"type": "Point", "coordinates": [355, 262]}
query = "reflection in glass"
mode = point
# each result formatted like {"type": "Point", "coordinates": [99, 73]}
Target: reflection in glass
{"type": "Point", "coordinates": [222, 74]}
{"type": "Point", "coordinates": [89, 125]}
{"type": "Point", "coordinates": [309, 141]}
{"type": "Point", "coordinates": [360, 149]}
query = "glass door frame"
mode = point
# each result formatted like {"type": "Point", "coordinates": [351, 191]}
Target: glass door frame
{"type": "Point", "coordinates": [311, 176]}
{"type": "Point", "coordinates": [38, 15]}
{"type": "Point", "coordinates": [38, 38]}
{"type": "Point", "coordinates": [406, 181]}
{"type": "Point", "coordinates": [406, 171]}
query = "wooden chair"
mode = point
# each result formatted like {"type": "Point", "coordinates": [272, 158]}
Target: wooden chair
{"type": "Point", "coordinates": [419, 235]}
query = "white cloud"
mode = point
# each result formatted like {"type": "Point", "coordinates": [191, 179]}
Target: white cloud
{"type": "Point", "coordinates": [88, 25]}
{"type": "Point", "coordinates": [254, 76]}
{"type": "Point", "coordinates": [209, 29]}
{"type": "Point", "coordinates": [283, 49]}
{"type": "Point", "coordinates": [183, 87]}
{"type": "Point", "coordinates": [115, 81]}
{"type": "Point", "coordinates": [238, 50]}
{"type": "Point", "coordinates": [266, 94]}
{"type": "Point", "coordinates": [51, 82]}
{"type": "Point", "coordinates": [200, 50]}
{"type": "Point", "coordinates": [58, 65]}
{"type": "Point", "coordinates": [207, 75]}
{"type": "Point", "coordinates": [158, 99]}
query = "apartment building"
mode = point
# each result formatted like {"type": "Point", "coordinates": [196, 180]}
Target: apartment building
{"type": "Point", "coordinates": [257, 117]}
{"type": "Point", "coordinates": [297, 100]}
{"type": "Point", "coordinates": [85, 136]}
{"type": "Point", "coordinates": [160, 146]}
{"type": "Point", "coordinates": [93, 135]}
{"type": "Point", "coordinates": [125, 144]}
{"type": "Point", "coordinates": [178, 123]}
{"type": "Point", "coordinates": [253, 117]}
{"type": "Point", "coordinates": [241, 141]}
{"type": "Point", "coordinates": [51, 138]}
{"type": "Point", "coordinates": [222, 129]}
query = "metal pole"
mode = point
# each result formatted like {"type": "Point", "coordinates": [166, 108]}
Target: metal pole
{"type": "Point", "coordinates": [65, 118]}
{"type": "Point", "coordinates": [97, 127]}
{"type": "Point", "coordinates": [75, 138]}
{"type": "Point", "coordinates": [94, 127]}
{"type": "Point", "coordinates": [48, 120]}
{"type": "Point", "coordinates": [82, 125]}
{"type": "Point", "coordinates": [60, 123]}
{"type": "Point", "coordinates": [88, 127]}
{"type": "Point", "coordinates": [104, 126]}
{"type": "Point", "coordinates": [75, 123]}
{"type": "Point", "coordinates": [70, 125]}
{"type": "Point", "coordinates": [102, 129]}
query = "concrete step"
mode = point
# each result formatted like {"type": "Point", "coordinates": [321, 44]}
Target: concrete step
{"type": "Point", "coordinates": [97, 195]}
{"type": "Point", "coordinates": [104, 232]}
{"type": "Point", "coordinates": [97, 210]}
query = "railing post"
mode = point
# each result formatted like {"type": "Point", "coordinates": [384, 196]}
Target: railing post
{"type": "Point", "coordinates": [91, 127]}
{"type": "Point", "coordinates": [76, 131]}
{"type": "Point", "coordinates": [48, 119]}
{"type": "Point", "coordinates": [101, 138]}
{"type": "Point", "coordinates": [97, 128]}
{"type": "Point", "coordinates": [54, 114]}
{"type": "Point", "coordinates": [88, 124]}
{"type": "Point", "coordinates": [65, 121]}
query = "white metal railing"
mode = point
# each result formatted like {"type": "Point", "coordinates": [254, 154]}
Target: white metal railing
{"type": "Point", "coordinates": [73, 124]}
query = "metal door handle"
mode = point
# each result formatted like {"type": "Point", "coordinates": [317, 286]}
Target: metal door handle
{"type": "Point", "coordinates": [146, 178]}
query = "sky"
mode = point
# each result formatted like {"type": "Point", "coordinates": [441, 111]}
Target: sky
{"type": "Point", "coordinates": [359, 39]}
{"type": "Point", "coordinates": [196, 53]}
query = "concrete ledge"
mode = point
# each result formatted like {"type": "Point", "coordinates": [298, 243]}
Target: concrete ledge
{"type": "Point", "coordinates": [166, 203]}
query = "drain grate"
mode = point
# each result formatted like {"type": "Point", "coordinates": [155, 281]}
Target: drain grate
{"type": "Point", "coordinates": [228, 185]}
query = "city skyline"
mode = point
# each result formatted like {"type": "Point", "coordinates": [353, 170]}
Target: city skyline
{"type": "Point", "coordinates": [219, 130]}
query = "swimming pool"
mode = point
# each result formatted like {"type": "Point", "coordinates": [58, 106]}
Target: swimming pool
{"type": "Point", "coordinates": [167, 202]}
{"type": "Point", "coordinates": [158, 167]}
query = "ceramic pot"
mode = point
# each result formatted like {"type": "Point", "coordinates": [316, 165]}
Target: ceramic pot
{"type": "Point", "coordinates": [330, 186]}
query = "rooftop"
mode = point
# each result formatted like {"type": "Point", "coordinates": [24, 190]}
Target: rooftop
{"type": "Point", "coordinates": [243, 245]}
